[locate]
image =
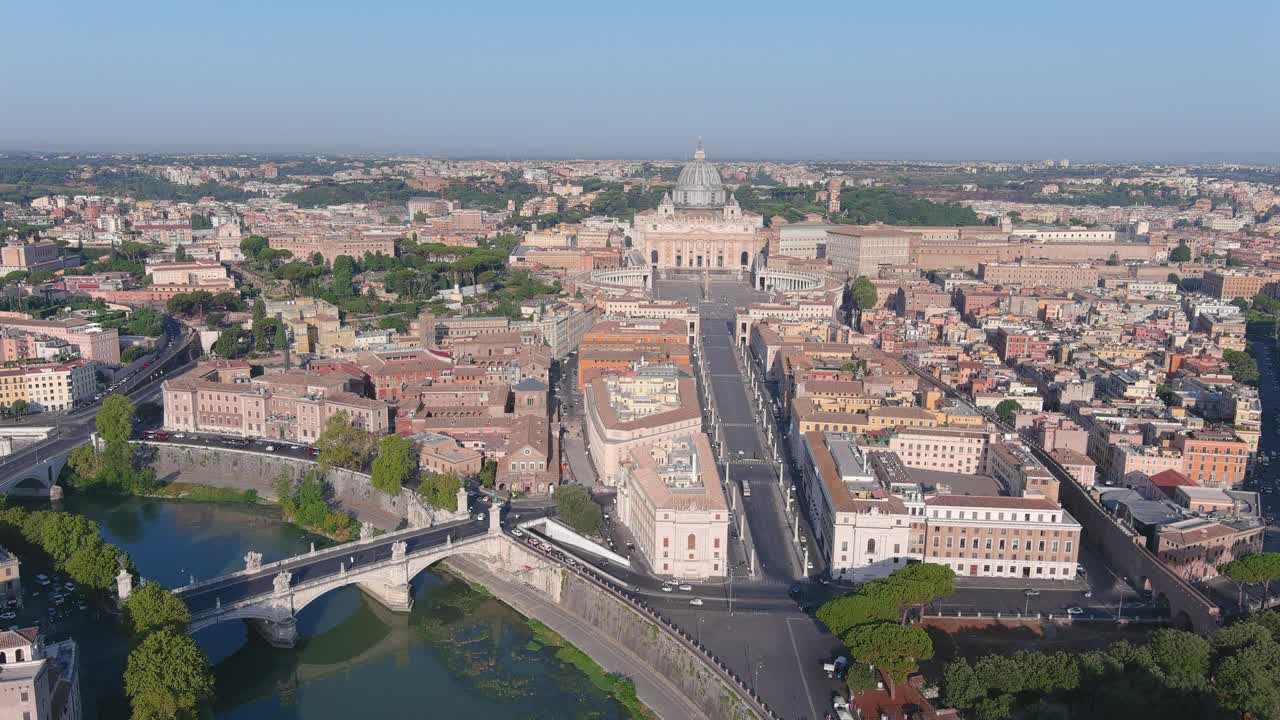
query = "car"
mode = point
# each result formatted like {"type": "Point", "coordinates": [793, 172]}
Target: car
{"type": "Point", "coordinates": [1075, 611]}
{"type": "Point", "coordinates": [517, 532]}
{"type": "Point", "coordinates": [270, 448]}
{"type": "Point", "coordinates": [179, 436]}
{"type": "Point", "coordinates": [480, 517]}
{"type": "Point", "coordinates": [8, 615]}
{"type": "Point", "coordinates": [1031, 592]}
{"type": "Point", "coordinates": [1088, 593]}
{"type": "Point", "coordinates": [667, 588]}
{"type": "Point", "coordinates": [697, 602]}
{"type": "Point", "coordinates": [685, 587]}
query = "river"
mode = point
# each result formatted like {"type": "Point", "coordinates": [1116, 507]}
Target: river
{"type": "Point", "coordinates": [460, 653]}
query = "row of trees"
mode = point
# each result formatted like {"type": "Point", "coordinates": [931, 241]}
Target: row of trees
{"type": "Point", "coordinates": [70, 541]}
{"type": "Point", "coordinates": [199, 302]}
{"type": "Point", "coordinates": [1174, 674]}
{"type": "Point", "coordinates": [167, 675]}
{"type": "Point", "coordinates": [871, 619]}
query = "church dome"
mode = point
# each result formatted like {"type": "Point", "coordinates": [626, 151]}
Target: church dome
{"type": "Point", "coordinates": [699, 184]}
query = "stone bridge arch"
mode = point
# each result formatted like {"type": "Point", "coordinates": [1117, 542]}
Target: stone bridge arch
{"type": "Point", "coordinates": [274, 615]}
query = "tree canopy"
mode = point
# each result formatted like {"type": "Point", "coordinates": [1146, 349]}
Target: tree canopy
{"type": "Point", "coordinates": [440, 490]}
{"type": "Point", "coordinates": [1006, 409]}
{"type": "Point", "coordinates": [167, 677]}
{"type": "Point", "coordinates": [576, 508]}
{"type": "Point", "coordinates": [152, 607]}
{"type": "Point", "coordinates": [393, 465]}
{"type": "Point", "coordinates": [864, 293]}
{"type": "Point", "coordinates": [342, 444]}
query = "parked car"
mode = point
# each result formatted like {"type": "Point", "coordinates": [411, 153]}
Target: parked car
{"type": "Point", "coordinates": [696, 602]}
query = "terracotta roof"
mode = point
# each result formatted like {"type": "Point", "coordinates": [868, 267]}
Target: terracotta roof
{"type": "Point", "coordinates": [1009, 503]}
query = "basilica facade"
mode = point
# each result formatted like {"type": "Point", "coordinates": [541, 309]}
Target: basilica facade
{"type": "Point", "coordinates": [699, 225]}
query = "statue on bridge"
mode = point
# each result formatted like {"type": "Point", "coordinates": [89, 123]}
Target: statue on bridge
{"type": "Point", "coordinates": [366, 530]}
{"type": "Point", "coordinates": [398, 550]}
{"type": "Point", "coordinates": [252, 561]}
{"type": "Point", "coordinates": [283, 578]}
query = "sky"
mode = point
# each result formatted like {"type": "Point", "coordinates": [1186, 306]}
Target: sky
{"type": "Point", "coordinates": [1122, 80]}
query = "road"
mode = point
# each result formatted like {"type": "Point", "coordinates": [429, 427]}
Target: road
{"type": "Point", "coordinates": [140, 382]}
{"type": "Point", "coordinates": [323, 564]}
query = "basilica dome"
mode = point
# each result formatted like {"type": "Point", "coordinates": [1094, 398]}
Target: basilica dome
{"type": "Point", "coordinates": [699, 183]}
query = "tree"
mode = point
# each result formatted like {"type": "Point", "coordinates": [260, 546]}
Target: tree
{"type": "Point", "coordinates": [393, 465]}
{"type": "Point", "coordinates": [228, 343]}
{"type": "Point", "coordinates": [260, 326]}
{"type": "Point", "coordinates": [152, 607]}
{"type": "Point", "coordinates": [1173, 278]}
{"type": "Point", "coordinates": [114, 421]}
{"type": "Point", "coordinates": [891, 647]}
{"type": "Point", "coordinates": [1006, 409]}
{"type": "Point", "coordinates": [842, 614]}
{"type": "Point", "coordinates": [62, 534]}
{"type": "Point", "coordinates": [343, 272]}
{"type": "Point", "coordinates": [864, 293]}
{"type": "Point", "coordinates": [1113, 259]}
{"type": "Point", "coordinates": [1180, 254]}
{"type": "Point", "coordinates": [167, 677]}
{"type": "Point", "coordinates": [577, 509]}
{"type": "Point", "coordinates": [440, 490]}
{"type": "Point", "coordinates": [488, 473]}
{"type": "Point", "coordinates": [145, 321]}
{"type": "Point", "coordinates": [1242, 366]}
{"type": "Point", "coordinates": [281, 340]}
{"type": "Point", "coordinates": [95, 565]}
{"type": "Point", "coordinates": [1183, 657]}
{"type": "Point", "coordinates": [180, 254]}
{"type": "Point", "coordinates": [253, 246]}
{"type": "Point", "coordinates": [343, 445]}
{"type": "Point", "coordinates": [1252, 569]}
{"type": "Point", "coordinates": [20, 407]}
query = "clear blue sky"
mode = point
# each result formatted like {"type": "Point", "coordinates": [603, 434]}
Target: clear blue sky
{"type": "Point", "coordinates": [1116, 80]}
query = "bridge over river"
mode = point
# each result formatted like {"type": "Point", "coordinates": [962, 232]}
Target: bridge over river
{"type": "Point", "coordinates": [269, 596]}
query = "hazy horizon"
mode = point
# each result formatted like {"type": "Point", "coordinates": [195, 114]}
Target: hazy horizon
{"type": "Point", "coordinates": [1005, 82]}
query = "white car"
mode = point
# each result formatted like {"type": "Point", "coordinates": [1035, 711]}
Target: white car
{"type": "Point", "coordinates": [270, 448]}
{"type": "Point", "coordinates": [1075, 611]}
{"type": "Point", "coordinates": [666, 588]}
{"type": "Point", "coordinates": [696, 601]}
{"type": "Point", "coordinates": [686, 588]}
{"type": "Point", "coordinates": [517, 532]}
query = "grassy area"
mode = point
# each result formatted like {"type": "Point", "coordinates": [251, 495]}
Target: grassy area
{"type": "Point", "coordinates": [617, 685]}
{"type": "Point", "coordinates": [204, 493]}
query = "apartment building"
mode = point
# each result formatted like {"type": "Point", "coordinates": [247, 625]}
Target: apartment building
{"type": "Point", "coordinates": [353, 244]}
{"type": "Point", "coordinates": [50, 386]}
{"type": "Point", "coordinates": [1013, 465]}
{"type": "Point", "coordinates": [32, 257]}
{"type": "Point", "coordinates": [442, 454]}
{"type": "Point", "coordinates": [10, 579]}
{"type": "Point", "coordinates": [291, 406]}
{"type": "Point", "coordinates": [1231, 284]}
{"type": "Point", "coordinates": [92, 341]}
{"type": "Point", "coordinates": [211, 276]}
{"type": "Point", "coordinates": [1013, 346]}
{"type": "Point", "coordinates": [1213, 458]}
{"type": "Point", "coordinates": [392, 373]}
{"type": "Point", "coordinates": [670, 499]}
{"type": "Point", "coordinates": [1057, 275]}
{"type": "Point", "coordinates": [862, 250]}
{"type": "Point", "coordinates": [1016, 537]}
{"type": "Point", "coordinates": [625, 412]}
{"type": "Point", "coordinates": [945, 449]}
{"type": "Point", "coordinates": [38, 681]}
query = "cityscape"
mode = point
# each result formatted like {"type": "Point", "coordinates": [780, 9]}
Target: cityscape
{"type": "Point", "coordinates": [368, 388]}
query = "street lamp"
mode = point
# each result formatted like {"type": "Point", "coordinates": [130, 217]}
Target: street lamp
{"type": "Point", "coordinates": [1120, 607]}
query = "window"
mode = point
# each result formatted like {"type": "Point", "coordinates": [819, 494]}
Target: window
{"type": "Point", "coordinates": [692, 541]}
{"type": "Point", "coordinates": [666, 542]}
{"type": "Point", "coordinates": [871, 546]}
